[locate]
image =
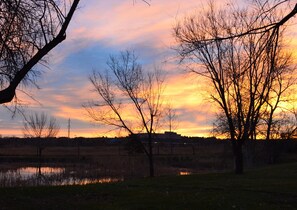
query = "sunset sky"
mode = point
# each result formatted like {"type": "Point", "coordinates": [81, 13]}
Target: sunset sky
{"type": "Point", "coordinates": [101, 28]}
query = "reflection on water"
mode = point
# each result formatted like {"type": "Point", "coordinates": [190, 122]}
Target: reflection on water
{"type": "Point", "coordinates": [36, 176]}
{"type": "Point", "coordinates": [85, 181]}
{"type": "Point", "coordinates": [184, 173]}
{"type": "Point", "coordinates": [27, 172]}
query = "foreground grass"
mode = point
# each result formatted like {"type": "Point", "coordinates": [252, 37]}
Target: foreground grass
{"type": "Point", "coordinates": [273, 187]}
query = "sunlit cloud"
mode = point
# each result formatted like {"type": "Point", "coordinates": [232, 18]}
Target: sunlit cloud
{"type": "Point", "coordinates": [101, 28]}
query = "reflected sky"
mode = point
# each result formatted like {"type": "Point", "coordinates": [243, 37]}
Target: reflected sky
{"type": "Point", "coordinates": [33, 176]}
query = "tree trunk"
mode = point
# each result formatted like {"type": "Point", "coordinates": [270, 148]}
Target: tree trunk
{"type": "Point", "coordinates": [150, 157]}
{"type": "Point", "coordinates": [238, 156]}
{"type": "Point", "coordinates": [152, 169]}
{"type": "Point", "coordinates": [269, 124]}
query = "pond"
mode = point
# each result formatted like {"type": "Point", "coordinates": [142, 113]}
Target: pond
{"type": "Point", "coordinates": [71, 175]}
{"type": "Point", "coordinates": [41, 176]}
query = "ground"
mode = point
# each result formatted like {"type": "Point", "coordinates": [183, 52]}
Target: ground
{"type": "Point", "coordinates": [271, 187]}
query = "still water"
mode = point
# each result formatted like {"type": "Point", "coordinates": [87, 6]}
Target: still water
{"type": "Point", "coordinates": [39, 176]}
{"type": "Point", "coordinates": [184, 173]}
{"type": "Point", "coordinates": [42, 176]}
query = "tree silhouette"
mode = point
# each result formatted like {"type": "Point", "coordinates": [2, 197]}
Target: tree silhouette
{"type": "Point", "coordinates": [29, 30]}
{"type": "Point", "coordinates": [40, 126]}
{"type": "Point", "coordinates": [245, 63]}
{"type": "Point", "coordinates": [171, 117]}
{"type": "Point", "coordinates": [130, 99]}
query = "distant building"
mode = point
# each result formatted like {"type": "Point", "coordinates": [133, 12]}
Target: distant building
{"type": "Point", "coordinates": [163, 137]}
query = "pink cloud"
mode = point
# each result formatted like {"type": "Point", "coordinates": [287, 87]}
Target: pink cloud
{"type": "Point", "coordinates": [120, 25]}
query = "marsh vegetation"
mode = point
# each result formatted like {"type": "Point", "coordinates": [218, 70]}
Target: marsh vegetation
{"type": "Point", "coordinates": [83, 161]}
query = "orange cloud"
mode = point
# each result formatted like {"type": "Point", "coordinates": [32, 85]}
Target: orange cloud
{"type": "Point", "coordinates": [118, 24]}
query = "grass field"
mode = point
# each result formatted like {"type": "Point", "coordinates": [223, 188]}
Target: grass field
{"type": "Point", "coordinates": [273, 187]}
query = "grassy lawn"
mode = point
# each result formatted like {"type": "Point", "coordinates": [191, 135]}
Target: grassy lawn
{"type": "Point", "coordinates": [273, 187]}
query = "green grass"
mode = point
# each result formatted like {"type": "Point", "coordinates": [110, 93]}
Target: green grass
{"type": "Point", "coordinates": [273, 187]}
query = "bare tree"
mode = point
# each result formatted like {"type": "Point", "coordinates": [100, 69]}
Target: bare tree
{"type": "Point", "coordinates": [170, 116]}
{"type": "Point", "coordinates": [263, 9]}
{"type": "Point", "coordinates": [287, 126]}
{"type": "Point", "coordinates": [29, 30]}
{"type": "Point", "coordinates": [130, 99]}
{"type": "Point", "coordinates": [40, 126]}
{"type": "Point", "coordinates": [283, 82]}
{"type": "Point", "coordinates": [243, 68]}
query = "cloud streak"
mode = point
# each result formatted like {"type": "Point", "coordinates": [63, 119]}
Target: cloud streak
{"type": "Point", "coordinates": [101, 28]}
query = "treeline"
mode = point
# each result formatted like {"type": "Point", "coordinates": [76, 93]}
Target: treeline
{"type": "Point", "coordinates": [64, 141]}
